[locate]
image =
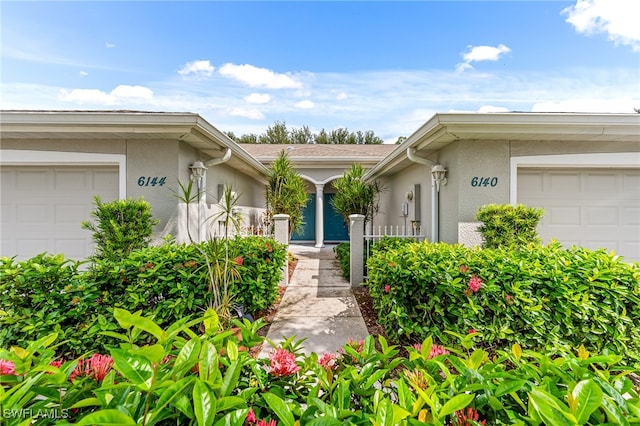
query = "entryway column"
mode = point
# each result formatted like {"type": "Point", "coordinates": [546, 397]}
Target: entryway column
{"type": "Point", "coordinates": [319, 215]}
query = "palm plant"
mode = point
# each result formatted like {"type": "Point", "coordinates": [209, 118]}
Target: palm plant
{"type": "Point", "coordinates": [354, 195]}
{"type": "Point", "coordinates": [286, 192]}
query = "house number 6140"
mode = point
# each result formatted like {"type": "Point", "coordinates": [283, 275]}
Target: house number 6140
{"type": "Point", "coordinates": [484, 181]}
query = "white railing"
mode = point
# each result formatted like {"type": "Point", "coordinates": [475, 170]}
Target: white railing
{"type": "Point", "coordinates": [376, 234]}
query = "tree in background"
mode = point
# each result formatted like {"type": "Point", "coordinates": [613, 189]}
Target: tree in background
{"type": "Point", "coordinates": [355, 196]}
{"type": "Point", "coordinates": [279, 134]}
{"type": "Point", "coordinates": [286, 192]}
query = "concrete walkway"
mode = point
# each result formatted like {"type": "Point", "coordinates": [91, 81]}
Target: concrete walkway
{"type": "Point", "coordinates": [317, 305]}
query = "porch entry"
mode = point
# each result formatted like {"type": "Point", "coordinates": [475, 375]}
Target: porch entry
{"type": "Point", "coordinates": [335, 228]}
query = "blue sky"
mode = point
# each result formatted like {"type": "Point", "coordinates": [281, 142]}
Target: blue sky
{"type": "Point", "coordinates": [381, 66]}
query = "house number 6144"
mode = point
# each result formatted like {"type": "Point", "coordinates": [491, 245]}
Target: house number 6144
{"type": "Point", "coordinates": [484, 181]}
{"type": "Point", "coordinates": [151, 180]}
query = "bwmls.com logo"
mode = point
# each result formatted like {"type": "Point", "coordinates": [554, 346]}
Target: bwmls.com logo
{"type": "Point", "coordinates": [26, 413]}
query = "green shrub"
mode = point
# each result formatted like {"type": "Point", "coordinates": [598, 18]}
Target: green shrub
{"type": "Point", "coordinates": [504, 225]}
{"type": "Point", "coordinates": [540, 297]}
{"type": "Point", "coordinates": [343, 251]}
{"type": "Point", "coordinates": [208, 378]}
{"type": "Point", "coordinates": [48, 294]}
{"type": "Point", "coordinates": [121, 227]}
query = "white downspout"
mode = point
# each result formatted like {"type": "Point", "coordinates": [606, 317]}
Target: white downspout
{"type": "Point", "coordinates": [435, 195]}
{"type": "Point", "coordinates": [202, 202]}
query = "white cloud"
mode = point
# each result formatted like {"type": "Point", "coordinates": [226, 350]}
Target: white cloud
{"type": "Point", "coordinates": [252, 114]}
{"type": "Point", "coordinates": [200, 68]}
{"type": "Point", "coordinates": [259, 77]}
{"type": "Point", "coordinates": [491, 108]}
{"type": "Point", "coordinates": [619, 19]}
{"type": "Point", "coordinates": [619, 105]}
{"type": "Point", "coordinates": [83, 73]}
{"type": "Point", "coordinates": [306, 104]}
{"type": "Point", "coordinates": [257, 98]}
{"type": "Point", "coordinates": [481, 53]}
{"type": "Point", "coordinates": [119, 95]}
{"type": "Point", "coordinates": [109, 45]}
{"type": "Point", "coordinates": [341, 96]}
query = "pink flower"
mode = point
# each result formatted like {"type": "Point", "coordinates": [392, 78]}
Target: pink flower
{"type": "Point", "coordinates": [328, 361]}
{"type": "Point", "coordinates": [283, 363]}
{"type": "Point", "coordinates": [239, 260]}
{"type": "Point", "coordinates": [251, 417]}
{"type": "Point", "coordinates": [57, 363]}
{"type": "Point", "coordinates": [475, 283]}
{"type": "Point", "coordinates": [417, 346]}
{"type": "Point", "coordinates": [267, 423]}
{"type": "Point", "coordinates": [471, 330]}
{"type": "Point", "coordinates": [387, 288]}
{"type": "Point", "coordinates": [97, 367]}
{"type": "Point", "coordinates": [8, 368]}
{"type": "Point", "coordinates": [437, 350]}
{"type": "Point", "coordinates": [465, 418]}
{"type": "Point", "coordinates": [508, 298]}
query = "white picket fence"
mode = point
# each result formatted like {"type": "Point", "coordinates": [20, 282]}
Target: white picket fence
{"type": "Point", "coordinates": [376, 234]}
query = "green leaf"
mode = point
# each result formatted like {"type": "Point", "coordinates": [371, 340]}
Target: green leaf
{"type": "Point", "coordinates": [169, 396]}
{"type": "Point", "coordinates": [324, 421]}
{"type": "Point", "coordinates": [204, 403]}
{"type": "Point", "coordinates": [509, 386]}
{"type": "Point", "coordinates": [235, 418]}
{"type": "Point", "coordinates": [550, 409]}
{"type": "Point", "coordinates": [231, 378]}
{"type": "Point", "coordinates": [280, 408]}
{"type": "Point", "coordinates": [588, 397]}
{"type": "Point", "coordinates": [135, 368]}
{"type": "Point", "coordinates": [456, 403]}
{"type": "Point", "coordinates": [187, 358]}
{"type": "Point", "coordinates": [211, 322]}
{"type": "Point", "coordinates": [228, 402]}
{"type": "Point", "coordinates": [107, 417]}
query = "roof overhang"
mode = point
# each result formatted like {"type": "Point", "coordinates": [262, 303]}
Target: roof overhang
{"type": "Point", "coordinates": [443, 129]}
{"type": "Point", "coordinates": [129, 125]}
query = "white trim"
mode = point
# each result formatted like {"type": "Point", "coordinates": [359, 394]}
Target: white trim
{"type": "Point", "coordinates": [18, 157]}
{"type": "Point", "coordinates": [614, 160]}
{"type": "Point", "coordinates": [320, 182]}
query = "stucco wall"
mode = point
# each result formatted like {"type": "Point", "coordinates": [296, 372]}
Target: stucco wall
{"type": "Point", "coordinates": [154, 159]}
{"type": "Point", "coordinates": [67, 145]}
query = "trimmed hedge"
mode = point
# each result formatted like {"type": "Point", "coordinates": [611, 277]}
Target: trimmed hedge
{"type": "Point", "coordinates": [49, 294]}
{"type": "Point", "coordinates": [343, 251]}
{"type": "Point", "coordinates": [540, 297]}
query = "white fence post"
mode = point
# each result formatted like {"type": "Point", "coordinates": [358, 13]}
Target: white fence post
{"type": "Point", "coordinates": [281, 235]}
{"type": "Point", "coordinates": [356, 249]}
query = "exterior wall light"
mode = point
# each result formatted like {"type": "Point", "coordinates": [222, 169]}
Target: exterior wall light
{"type": "Point", "coordinates": [439, 174]}
{"type": "Point", "coordinates": [198, 170]}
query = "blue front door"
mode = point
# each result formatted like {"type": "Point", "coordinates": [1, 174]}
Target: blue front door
{"type": "Point", "coordinates": [308, 232]}
{"type": "Point", "coordinates": [335, 227]}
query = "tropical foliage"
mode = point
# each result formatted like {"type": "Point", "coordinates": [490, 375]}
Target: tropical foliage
{"type": "Point", "coordinates": [354, 195]}
{"type": "Point", "coordinates": [504, 225]}
{"type": "Point", "coordinates": [121, 227]}
{"type": "Point", "coordinates": [51, 294]}
{"type": "Point", "coordinates": [286, 192]}
{"type": "Point", "coordinates": [543, 298]}
{"type": "Point", "coordinates": [209, 378]}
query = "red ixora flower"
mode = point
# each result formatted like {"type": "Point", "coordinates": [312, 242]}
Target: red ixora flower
{"type": "Point", "coordinates": [472, 330]}
{"type": "Point", "coordinates": [283, 363]}
{"type": "Point", "coordinates": [475, 283]}
{"type": "Point", "coordinates": [239, 260]}
{"type": "Point", "coordinates": [263, 422]}
{"type": "Point", "coordinates": [251, 417]}
{"type": "Point", "coordinates": [437, 350]}
{"type": "Point", "coordinates": [387, 288]}
{"type": "Point", "coordinates": [95, 367]}
{"type": "Point", "coordinates": [328, 361]}
{"type": "Point", "coordinates": [8, 368]}
{"type": "Point", "coordinates": [465, 417]}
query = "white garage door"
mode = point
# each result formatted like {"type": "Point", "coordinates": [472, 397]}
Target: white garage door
{"type": "Point", "coordinates": [593, 208]}
{"type": "Point", "coordinates": [42, 208]}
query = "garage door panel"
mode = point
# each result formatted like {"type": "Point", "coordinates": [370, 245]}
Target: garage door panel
{"type": "Point", "coordinates": [593, 208]}
{"type": "Point", "coordinates": [43, 208]}
{"type": "Point", "coordinates": [72, 180]}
